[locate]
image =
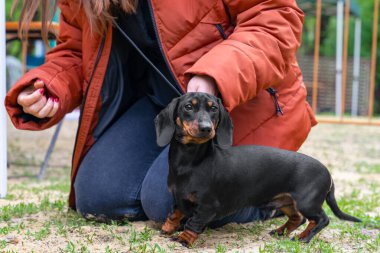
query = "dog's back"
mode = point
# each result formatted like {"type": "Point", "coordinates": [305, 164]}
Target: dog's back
{"type": "Point", "coordinates": [257, 174]}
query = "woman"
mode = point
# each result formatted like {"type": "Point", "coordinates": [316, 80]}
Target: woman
{"type": "Point", "coordinates": [232, 48]}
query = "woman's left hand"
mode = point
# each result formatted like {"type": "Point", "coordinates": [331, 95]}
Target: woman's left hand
{"type": "Point", "coordinates": [202, 84]}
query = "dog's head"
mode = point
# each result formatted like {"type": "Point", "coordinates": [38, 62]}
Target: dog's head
{"type": "Point", "coordinates": [194, 118]}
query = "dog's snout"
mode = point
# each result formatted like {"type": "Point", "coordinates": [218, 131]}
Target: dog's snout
{"type": "Point", "coordinates": [205, 127]}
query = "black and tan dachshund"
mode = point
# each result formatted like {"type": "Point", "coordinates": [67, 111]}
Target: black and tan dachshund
{"type": "Point", "coordinates": [210, 179]}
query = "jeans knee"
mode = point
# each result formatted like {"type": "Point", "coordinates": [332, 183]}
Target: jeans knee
{"type": "Point", "coordinates": [104, 211]}
{"type": "Point", "coordinates": [89, 207]}
{"type": "Point", "coordinates": [100, 206]}
{"type": "Point", "coordinates": [156, 204]}
{"type": "Point", "coordinates": [156, 199]}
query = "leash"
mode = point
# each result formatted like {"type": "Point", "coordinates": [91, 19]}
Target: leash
{"type": "Point", "coordinates": [143, 55]}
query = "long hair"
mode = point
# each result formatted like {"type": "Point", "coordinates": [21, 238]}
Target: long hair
{"type": "Point", "coordinates": [98, 13]}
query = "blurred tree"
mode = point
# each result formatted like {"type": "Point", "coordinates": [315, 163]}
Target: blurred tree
{"type": "Point", "coordinates": [13, 48]}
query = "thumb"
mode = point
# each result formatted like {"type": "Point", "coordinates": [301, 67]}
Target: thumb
{"type": "Point", "coordinates": [39, 84]}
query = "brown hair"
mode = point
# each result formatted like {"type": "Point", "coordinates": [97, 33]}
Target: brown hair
{"type": "Point", "coordinates": [97, 11]}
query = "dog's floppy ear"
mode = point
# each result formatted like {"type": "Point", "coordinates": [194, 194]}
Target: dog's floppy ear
{"type": "Point", "coordinates": [164, 123]}
{"type": "Point", "coordinates": [224, 130]}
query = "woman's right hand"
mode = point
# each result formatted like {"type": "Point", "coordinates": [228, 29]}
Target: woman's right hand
{"type": "Point", "coordinates": [34, 101]}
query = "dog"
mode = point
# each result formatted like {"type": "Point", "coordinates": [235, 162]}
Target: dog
{"type": "Point", "coordinates": [210, 179]}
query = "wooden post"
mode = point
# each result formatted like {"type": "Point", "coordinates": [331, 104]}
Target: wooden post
{"type": "Point", "coordinates": [373, 60]}
{"type": "Point", "coordinates": [316, 54]}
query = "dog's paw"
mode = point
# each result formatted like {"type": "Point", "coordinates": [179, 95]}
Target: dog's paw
{"type": "Point", "coordinates": [164, 233]}
{"type": "Point", "coordinates": [169, 228]}
{"type": "Point", "coordinates": [180, 240]}
{"type": "Point", "coordinates": [277, 232]}
{"type": "Point", "coordinates": [186, 238]}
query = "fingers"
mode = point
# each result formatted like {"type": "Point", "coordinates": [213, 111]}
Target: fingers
{"type": "Point", "coordinates": [34, 102]}
{"type": "Point", "coordinates": [35, 107]}
{"type": "Point", "coordinates": [193, 85]}
{"type": "Point", "coordinates": [50, 109]}
{"type": "Point", "coordinates": [46, 109]}
{"type": "Point", "coordinates": [192, 88]}
{"type": "Point", "coordinates": [27, 99]}
{"type": "Point", "coordinates": [55, 108]}
{"type": "Point", "coordinates": [39, 84]}
{"type": "Point", "coordinates": [31, 94]}
{"type": "Point", "coordinates": [202, 84]}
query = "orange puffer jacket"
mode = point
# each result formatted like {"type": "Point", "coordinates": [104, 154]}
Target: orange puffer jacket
{"type": "Point", "coordinates": [246, 46]}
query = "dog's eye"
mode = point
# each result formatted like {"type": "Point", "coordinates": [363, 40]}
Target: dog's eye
{"type": "Point", "coordinates": [214, 108]}
{"type": "Point", "coordinates": [188, 107]}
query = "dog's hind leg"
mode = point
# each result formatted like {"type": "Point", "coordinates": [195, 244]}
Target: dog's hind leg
{"type": "Point", "coordinates": [287, 205]}
{"type": "Point", "coordinates": [316, 224]}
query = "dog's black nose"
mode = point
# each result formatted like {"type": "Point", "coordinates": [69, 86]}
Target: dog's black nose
{"type": "Point", "coordinates": [205, 128]}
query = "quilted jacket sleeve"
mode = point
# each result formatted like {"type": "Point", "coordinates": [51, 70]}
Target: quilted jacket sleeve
{"type": "Point", "coordinates": [61, 73]}
{"type": "Point", "coordinates": [258, 53]}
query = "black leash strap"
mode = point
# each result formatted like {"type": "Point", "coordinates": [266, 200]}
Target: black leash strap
{"type": "Point", "coordinates": [133, 44]}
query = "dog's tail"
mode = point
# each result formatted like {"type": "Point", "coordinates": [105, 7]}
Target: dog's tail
{"type": "Point", "coordinates": [331, 201]}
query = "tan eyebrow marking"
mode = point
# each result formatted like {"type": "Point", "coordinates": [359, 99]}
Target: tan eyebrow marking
{"type": "Point", "coordinates": [194, 101]}
{"type": "Point", "coordinates": [210, 103]}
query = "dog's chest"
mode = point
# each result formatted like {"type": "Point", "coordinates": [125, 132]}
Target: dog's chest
{"type": "Point", "coordinates": [184, 188]}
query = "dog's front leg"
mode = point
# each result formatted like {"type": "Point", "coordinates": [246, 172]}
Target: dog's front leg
{"type": "Point", "coordinates": [172, 223]}
{"type": "Point", "coordinates": [195, 225]}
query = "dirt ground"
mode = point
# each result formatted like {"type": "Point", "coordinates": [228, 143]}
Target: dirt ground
{"type": "Point", "coordinates": [34, 217]}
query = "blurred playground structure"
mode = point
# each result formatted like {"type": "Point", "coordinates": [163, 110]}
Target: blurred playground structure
{"type": "Point", "coordinates": [341, 86]}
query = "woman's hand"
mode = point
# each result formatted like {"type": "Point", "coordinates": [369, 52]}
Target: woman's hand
{"type": "Point", "coordinates": [202, 84]}
{"type": "Point", "coordinates": [34, 102]}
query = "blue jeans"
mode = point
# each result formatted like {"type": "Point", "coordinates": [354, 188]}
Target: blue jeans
{"type": "Point", "coordinates": [124, 174]}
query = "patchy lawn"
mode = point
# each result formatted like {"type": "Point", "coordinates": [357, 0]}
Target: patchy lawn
{"type": "Point", "coordinates": [34, 216]}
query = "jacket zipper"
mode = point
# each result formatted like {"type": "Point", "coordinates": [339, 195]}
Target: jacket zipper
{"type": "Point", "coordinates": [273, 92]}
{"type": "Point", "coordinates": [85, 96]}
{"type": "Point", "coordinates": [221, 31]}
{"type": "Point", "coordinates": [160, 46]}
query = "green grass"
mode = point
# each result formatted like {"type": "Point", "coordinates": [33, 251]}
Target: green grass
{"type": "Point", "coordinates": [220, 248]}
{"type": "Point", "coordinates": [57, 186]}
{"type": "Point", "coordinates": [19, 210]}
{"type": "Point", "coordinates": [364, 167]}
{"type": "Point", "coordinates": [289, 246]}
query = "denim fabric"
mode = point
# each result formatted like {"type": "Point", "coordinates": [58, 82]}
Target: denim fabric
{"type": "Point", "coordinates": [125, 173]}
{"type": "Point", "coordinates": [110, 176]}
